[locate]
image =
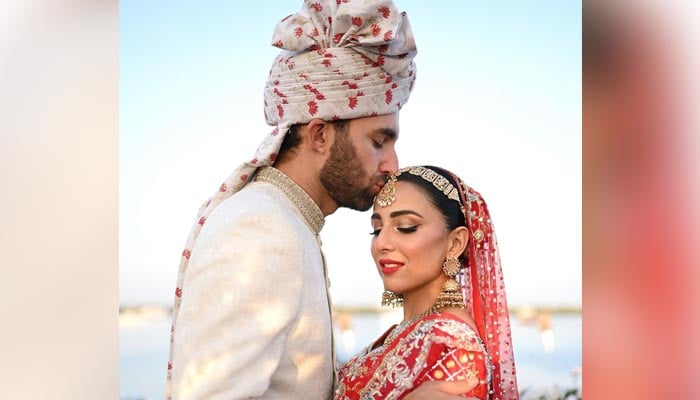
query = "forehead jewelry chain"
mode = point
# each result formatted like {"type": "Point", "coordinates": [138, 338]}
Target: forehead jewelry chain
{"type": "Point", "coordinates": [387, 195]}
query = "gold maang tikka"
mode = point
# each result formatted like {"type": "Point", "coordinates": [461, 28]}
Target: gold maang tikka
{"type": "Point", "coordinates": [387, 195]}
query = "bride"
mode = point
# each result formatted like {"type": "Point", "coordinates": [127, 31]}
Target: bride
{"type": "Point", "coordinates": [435, 249]}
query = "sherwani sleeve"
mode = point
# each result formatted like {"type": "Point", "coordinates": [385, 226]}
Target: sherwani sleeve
{"type": "Point", "coordinates": [240, 299]}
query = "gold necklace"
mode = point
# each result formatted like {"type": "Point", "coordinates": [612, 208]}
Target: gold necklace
{"type": "Point", "coordinates": [405, 324]}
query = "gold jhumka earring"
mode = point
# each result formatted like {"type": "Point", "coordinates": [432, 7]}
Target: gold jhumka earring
{"type": "Point", "coordinates": [451, 295]}
{"type": "Point", "coordinates": [392, 299]}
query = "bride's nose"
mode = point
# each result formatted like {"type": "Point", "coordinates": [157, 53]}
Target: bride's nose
{"type": "Point", "coordinates": [383, 242]}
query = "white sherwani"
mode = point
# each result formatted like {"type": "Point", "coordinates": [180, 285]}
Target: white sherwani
{"type": "Point", "coordinates": [255, 318]}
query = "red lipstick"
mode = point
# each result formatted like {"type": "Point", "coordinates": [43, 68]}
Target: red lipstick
{"type": "Point", "coordinates": [389, 266]}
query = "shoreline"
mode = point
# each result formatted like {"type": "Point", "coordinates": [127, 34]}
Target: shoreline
{"type": "Point", "coordinates": [158, 310]}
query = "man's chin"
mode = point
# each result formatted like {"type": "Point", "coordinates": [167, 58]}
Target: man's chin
{"type": "Point", "coordinates": [360, 204]}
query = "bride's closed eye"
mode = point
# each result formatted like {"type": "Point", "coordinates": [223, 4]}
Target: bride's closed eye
{"type": "Point", "coordinates": [402, 229]}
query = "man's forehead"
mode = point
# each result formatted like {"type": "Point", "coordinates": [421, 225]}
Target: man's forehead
{"type": "Point", "coordinates": [387, 125]}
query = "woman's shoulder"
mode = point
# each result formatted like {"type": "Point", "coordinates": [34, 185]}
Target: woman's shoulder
{"type": "Point", "coordinates": [449, 329]}
{"type": "Point", "coordinates": [442, 319]}
{"type": "Point", "coordinates": [453, 351]}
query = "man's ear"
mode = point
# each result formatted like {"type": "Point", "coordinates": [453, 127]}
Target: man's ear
{"type": "Point", "coordinates": [319, 135]}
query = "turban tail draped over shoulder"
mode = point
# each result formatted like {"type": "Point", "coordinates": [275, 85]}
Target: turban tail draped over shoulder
{"type": "Point", "coordinates": [340, 59]}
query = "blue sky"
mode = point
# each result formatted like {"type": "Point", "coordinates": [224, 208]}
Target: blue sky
{"type": "Point", "coordinates": [497, 100]}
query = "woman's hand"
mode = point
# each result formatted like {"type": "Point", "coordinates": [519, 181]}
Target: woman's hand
{"type": "Point", "coordinates": [442, 390]}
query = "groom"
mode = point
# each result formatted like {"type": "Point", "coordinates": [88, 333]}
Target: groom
{"type": "Point", "coordinates": [251, 317]}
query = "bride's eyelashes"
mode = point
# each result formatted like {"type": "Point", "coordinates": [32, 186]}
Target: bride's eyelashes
{"type": "Point", "coordinates": [407, 229]}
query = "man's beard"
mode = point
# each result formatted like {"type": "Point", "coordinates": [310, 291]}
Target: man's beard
{"type": "Point", "coordinates": [344, 178]}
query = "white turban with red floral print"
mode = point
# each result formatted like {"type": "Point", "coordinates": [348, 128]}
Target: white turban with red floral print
{"type": "Point", "coordinates": [341, 59]}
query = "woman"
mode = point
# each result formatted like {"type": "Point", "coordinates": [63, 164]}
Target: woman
{"type": "Point", "coordinates": [435, 249]}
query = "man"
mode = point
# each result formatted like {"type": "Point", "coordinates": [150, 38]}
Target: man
{"type": "Point", "coordinates": [252, 317]}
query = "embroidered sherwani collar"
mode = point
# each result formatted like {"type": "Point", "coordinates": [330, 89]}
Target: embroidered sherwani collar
{"type": "Point", "coordinates": [306, 206]}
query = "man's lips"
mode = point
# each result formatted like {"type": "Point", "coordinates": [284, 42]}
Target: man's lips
{"type": "Point", "coordinates": [389, 266]}
{"type": "Point", "coordinates": [378, 185]}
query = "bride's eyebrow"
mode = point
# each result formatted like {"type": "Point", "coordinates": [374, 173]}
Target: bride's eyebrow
{"type": "Point", "coordinates": [399, 213]}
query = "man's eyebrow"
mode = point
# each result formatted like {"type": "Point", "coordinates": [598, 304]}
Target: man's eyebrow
{"type": "Point", "coordinates": [388, 132]}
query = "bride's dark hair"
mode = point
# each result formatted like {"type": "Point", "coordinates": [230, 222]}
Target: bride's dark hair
{"type": "Point", "coordinates": [450, 209]}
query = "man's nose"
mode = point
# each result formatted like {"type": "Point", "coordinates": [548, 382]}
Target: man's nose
{"type": "Point", "coordinates": [389, 163]}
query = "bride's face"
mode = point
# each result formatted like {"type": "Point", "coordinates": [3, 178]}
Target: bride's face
{"type": "Point", "coordinates": [410, 242]}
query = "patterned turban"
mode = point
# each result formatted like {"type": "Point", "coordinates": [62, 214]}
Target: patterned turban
{"type": "Point", "coordinates": [340, 59]}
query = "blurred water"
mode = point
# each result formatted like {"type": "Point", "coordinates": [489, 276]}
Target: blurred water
{"type": "Point", "coordinates": [144, 352]}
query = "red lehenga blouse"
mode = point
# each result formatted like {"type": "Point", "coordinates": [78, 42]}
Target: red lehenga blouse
{"type": "Point", "coordinates": [439, 346]}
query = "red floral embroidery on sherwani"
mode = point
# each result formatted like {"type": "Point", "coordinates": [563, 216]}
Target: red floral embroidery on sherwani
{"type": "Point", "coordinates": [437, 347]}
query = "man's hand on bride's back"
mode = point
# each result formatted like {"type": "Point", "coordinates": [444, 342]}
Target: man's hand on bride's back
{"type": "Point", "coordinates": [441, 390]}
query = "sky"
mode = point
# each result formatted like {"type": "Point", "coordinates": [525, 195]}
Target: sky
{"type": "Point", "coordinates": [497, 100]}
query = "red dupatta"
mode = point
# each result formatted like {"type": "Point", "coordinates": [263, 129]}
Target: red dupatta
{"type": "Point", "coordinates": [484, 293]}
